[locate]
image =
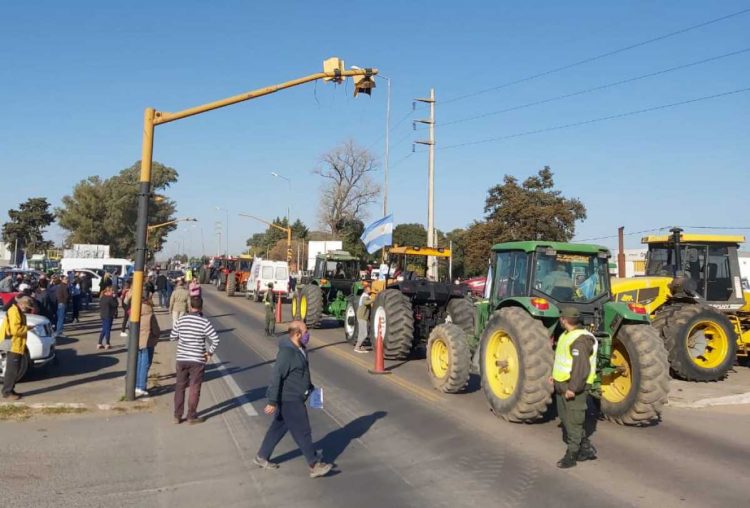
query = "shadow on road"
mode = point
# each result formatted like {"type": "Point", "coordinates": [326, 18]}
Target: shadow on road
{"type": "Point", "coordinates": [234, 402]}
{"type": "Point", "coordinates": [335, 442]}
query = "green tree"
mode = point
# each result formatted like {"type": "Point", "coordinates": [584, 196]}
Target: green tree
{"type": "Point", "coordinates": [106, 211]}
{"type": "Point", "coordinates": [27, 226]}
{"type": "Point", "coordinates": [261, 244]}
{"type": "Point", "coordinates": [533, 210]}
{"type": "Point", "coordinates": [410, 234]}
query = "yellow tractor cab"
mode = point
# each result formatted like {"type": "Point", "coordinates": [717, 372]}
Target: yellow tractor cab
{"type": "Point", "coordinates": [693, 290]}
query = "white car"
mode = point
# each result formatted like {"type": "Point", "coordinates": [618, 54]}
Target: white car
{"type": "Point", "coordinates": [40, 345]}
{"type": "Point", "coordinates": [264, 271]}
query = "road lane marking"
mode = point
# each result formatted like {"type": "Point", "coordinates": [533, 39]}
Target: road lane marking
{"type": "Point", "coordinates": [422, 393]}
{"type": "Point", "coordinates": [240, 395]}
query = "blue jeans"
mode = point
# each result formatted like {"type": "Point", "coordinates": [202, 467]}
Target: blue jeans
{"type": "Point", "coordinates": [145, 357]}
{"type": "Point", "coordinates": [60, 318]}
{"type": "Point", "coordinates": [106, 329]}
{"type": "Point", "coordinates": [290, 416]}
{"type": "Point", "coordinates": [163, 300]}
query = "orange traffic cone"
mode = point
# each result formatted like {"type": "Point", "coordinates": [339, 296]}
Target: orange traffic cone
{"type": "Point", "coordinates": [278, 308]}
{"type": "Point", "coordinates": [379, 358]}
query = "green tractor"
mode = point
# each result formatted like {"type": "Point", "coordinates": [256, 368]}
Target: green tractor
{"type": "Point", "coordinates": [336, 276]}
{"type": "Point", "coordinates": [515, 327]}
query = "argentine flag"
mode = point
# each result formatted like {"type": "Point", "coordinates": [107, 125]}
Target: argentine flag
{"type": "Point", "coordinates": [378, 234]}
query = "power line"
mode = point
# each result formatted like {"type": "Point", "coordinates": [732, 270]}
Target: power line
{"type": "Point", "coordinates": [652, 230]}
{"type": "Point", "coordinates": [595, 89]}
{"type": "Point", "coordinates": [595, 120]}
{"type": "Point", "coordinates": [597, 57]}
{"type": "Point", "coordinates": [392, 129]}
{"type": "Point", "coordinates": [663, 228]}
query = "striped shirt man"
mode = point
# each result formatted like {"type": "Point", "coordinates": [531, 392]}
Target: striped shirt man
{"type": "Point", "coordinates": [191, 332]}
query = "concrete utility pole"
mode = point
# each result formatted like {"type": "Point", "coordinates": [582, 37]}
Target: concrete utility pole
{"type": "Point", "coordinates": [431, 260]}
{"type": "Point", "coordinates": [621, 252]}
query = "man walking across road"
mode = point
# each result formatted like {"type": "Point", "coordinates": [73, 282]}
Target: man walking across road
{"type": "Point", "coordinates": [270, 316]}
{"type": "Point", "coordinates": [14, 328]}
{"type": "Point", "coordinates": [287, 393]}
{"type": "Point", "coordinates": [191, 332]}
{"type": "Point", "coordinates": [573, 373]}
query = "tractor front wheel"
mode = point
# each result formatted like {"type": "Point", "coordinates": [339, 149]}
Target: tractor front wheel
{"type": "Point", "coordinates": [311, 305]}
{"type": "Point", "coordinates": [516, 362]}
{"type": "Point", "coordinates": [701, 341]}
{"type": "Point", "coordinates": [448, 358]}
{"type": "Point", "coordinates": [636, 391]}
{"type": "Point", "coordinates": [351, 325]}
{"type": "Point", "coordinates": [392, 312]}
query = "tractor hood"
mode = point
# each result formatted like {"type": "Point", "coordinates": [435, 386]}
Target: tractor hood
{"type": "Point", "coordinates": [651, 292]}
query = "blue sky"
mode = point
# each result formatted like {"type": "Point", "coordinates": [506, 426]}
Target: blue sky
{"type": "Point", "coordinates": [78, 75]}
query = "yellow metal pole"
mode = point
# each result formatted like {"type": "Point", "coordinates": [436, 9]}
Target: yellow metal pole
{"type": "Point", "coordinates": [165, 117]}
{"type": "Point", "coordinates": [144, 191]}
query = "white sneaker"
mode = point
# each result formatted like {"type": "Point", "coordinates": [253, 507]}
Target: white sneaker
{"type": "Point", "coordinates": [140, 393]}
{"type": "Point", "coordinates": [123, 334]}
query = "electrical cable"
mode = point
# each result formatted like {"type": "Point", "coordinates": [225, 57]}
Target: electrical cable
{"type": "Point", "coordinates": [597, 57]}
{"type": "Point", "coordinates": [594, 120]}
{"type": "Point", "coordinates": [654, 230]}
{"type": "Point", "coordinates": [594, 89]}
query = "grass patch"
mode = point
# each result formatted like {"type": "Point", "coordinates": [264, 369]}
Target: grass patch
{"type": "Point", "coordinates": [9, 412]}
{"type": "Point", "coordinates": [63, 410]}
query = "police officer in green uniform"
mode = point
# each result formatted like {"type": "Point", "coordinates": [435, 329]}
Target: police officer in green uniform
{"type": "Point", "coordinates": [573, 373]}
{"type": "Point", "coordinates": [270, 316]}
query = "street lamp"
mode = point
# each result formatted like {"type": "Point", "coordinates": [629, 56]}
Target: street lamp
{"type": "Point", "coordinates": [152, 227]}
{"type": "Point", "coordinates": [226, 233]}
{"type": "Point", "coordinates": [333, 70]}
{"type": "Point", "coordinates": [287, 230]}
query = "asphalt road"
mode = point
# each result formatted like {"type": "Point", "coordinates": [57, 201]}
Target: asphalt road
{"type": "Point", "coordinates": [397, 442]}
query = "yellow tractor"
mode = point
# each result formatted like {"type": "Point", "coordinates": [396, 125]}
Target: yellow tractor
{"type": "Point", "coordinates": [693, 290]}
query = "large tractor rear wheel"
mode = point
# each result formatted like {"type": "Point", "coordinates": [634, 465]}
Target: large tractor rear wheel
{"type": "Point", "coordinates": [393, 309]}
{"type": "Point", "coordinates": [700, 340]}
{"type": "Point", "coordinates": [351, 325]}
{"type": "Point", "coordinates": [311, 305]}
{"type": "Point", "coordinates": [231, 284]}
{"type": "Point", "coordinates": [638, 389]}
{"type": "Point", "coordinates": [221, 283]}
{"type": "Point", "coordinates": [448, 358]}
{"type": "Point", "coordinates": [461, 313]}
{"type": "Point", "coordinates": [516, 362]}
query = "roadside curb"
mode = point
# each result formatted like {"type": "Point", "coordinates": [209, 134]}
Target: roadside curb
{"type": "Point", "coordinates": [122, 406]}
{"type": "Point", "coordinates": [727, 400]}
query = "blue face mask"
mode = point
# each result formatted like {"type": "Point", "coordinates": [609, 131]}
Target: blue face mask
{"type": "Point", "coordinates": [305, 338]}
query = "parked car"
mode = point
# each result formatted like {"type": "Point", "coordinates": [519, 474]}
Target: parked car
{"type": "Point", "coordinates": [40, 345]}
{"type": "Point", "coordinates": [264, 271]}
{"type": "Point", "coordinates": [96, 278]}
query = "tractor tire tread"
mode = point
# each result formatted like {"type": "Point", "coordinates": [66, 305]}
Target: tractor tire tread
{"type": "Point", "coordinates": [459, 365]}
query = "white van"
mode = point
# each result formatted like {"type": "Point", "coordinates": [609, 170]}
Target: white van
{"type": "Point", "coordinates": [122, 268]}
{"type": "Point", "coordinates": [264, 271]}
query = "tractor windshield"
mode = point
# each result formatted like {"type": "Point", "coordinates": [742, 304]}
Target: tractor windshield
{"type": "Point", "coordinates": [571, 277]}
{"type": "Point", "coordinates": [347, 270]}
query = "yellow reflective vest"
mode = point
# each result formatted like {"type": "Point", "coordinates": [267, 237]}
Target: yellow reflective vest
{"type": "Point", "coordinates": [564, 358]}
{"type": "Point", "coordinates": [14, 328]}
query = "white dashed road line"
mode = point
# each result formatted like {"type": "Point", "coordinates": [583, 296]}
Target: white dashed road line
{"type": "Point", "coordinates": [247, 406]}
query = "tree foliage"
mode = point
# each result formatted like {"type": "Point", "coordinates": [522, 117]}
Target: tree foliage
{"type": "Point", "coordinates": [348, 187]}
{"type": "Point", "coordinates": [28, 224]}
{"type": "Point", "coordinates": [410, 234]}
{"type": "Point", "coordinates": [106, 211]}
{"type": "Point", "coordinates": [533, 210]}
